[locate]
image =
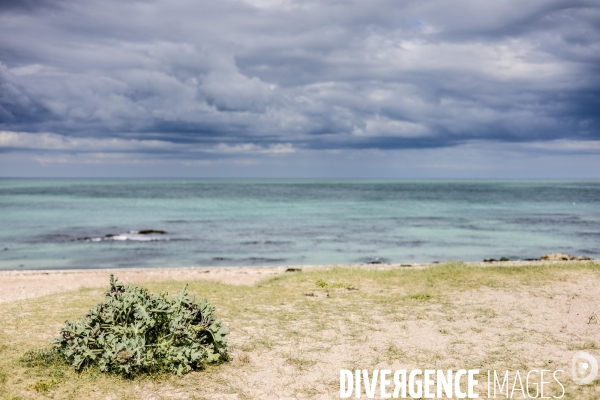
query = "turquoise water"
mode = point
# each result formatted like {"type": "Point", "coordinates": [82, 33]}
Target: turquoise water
{"type": "Point", "coordinates": [64, 223]}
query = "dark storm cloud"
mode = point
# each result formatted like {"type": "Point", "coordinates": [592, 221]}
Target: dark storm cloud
{"type": "Point", "coordinates": [26, 5]}
{"type": "Point", "coordinates": [192, 76]}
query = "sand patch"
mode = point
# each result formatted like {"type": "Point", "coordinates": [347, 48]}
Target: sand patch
{"type": "Point", "coordinates": [287, 345]}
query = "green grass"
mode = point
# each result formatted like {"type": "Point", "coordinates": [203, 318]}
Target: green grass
{"type": "Point", "coordinates": [276, 319]}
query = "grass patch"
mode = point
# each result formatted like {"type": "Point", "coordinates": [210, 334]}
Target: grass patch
{"type": "Point", "coordinates": [304, 340]}
{"type": "Point", "coordinates": [420, 296]}
{"type": "Point", "coordinates": [320, 283]}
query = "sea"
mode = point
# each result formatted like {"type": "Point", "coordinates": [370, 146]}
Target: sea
{"type": "Point", "coordinates": [123, 223]}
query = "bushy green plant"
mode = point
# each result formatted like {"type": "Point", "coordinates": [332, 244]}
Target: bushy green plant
{"type": "Point", "coordinates": [134, 331]}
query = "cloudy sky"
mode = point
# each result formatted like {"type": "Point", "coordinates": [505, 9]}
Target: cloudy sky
{"type": "Point", "coordinates": [286, 88]}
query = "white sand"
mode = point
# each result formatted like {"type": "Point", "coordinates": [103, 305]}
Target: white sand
{"type": "Point", "coordinates": [22, 284]}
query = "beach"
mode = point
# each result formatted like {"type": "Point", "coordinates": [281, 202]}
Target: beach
{"type": "Point", "coordinates": [15, 284]}
{"type": "Point", "coordinates": [311, 276]}
{"type": "Point", "coordinates": [292, 332]}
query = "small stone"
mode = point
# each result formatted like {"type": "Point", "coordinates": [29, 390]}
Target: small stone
{"type": "Point", "coordinates": [151, 232]}
{"type": "Point", "coordinates": [557, 257]}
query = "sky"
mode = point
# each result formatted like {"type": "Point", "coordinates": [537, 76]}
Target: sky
{"type": "Point", "coordinates": [300, 89]}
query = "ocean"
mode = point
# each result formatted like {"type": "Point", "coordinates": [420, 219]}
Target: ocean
{"type": "Point", "coordinates": [83, 223]}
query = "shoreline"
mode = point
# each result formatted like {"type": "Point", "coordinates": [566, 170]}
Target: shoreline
{"type": "Point", "coordinates": [25, 284]}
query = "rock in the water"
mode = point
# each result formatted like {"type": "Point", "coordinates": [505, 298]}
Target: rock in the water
{"type": "Point", "coordinates": [293, 270]}
{"type": "Point", "coordinates": [489, 260]}
{"type": "Point", "coordinates": [504, 259]}
{"type": "Point", "coordinates": [376, 260]}
{"type": "Point", "coordinates": [151, 232]}
{"type": "Point", "coordinates": [557, 257]}
{"type": "Point", "coordinates": [583, 258]}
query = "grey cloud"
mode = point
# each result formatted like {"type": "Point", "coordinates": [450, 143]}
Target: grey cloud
{"type": "Point", "coordinates": [26, 5]}
{"type": "Point", "coordinates": [315, 74]}
{"type": "Point", "coordinates": [16, 104]}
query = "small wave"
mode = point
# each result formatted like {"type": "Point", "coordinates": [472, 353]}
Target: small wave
{"type": "Point", "coordinates": [266, 242]}
{"type": "Point", "coordinates": [264, 260]}
{"type": "Point", "coordinates": [374, 260]}
{"type": "Point", "coordinates": [590, 251]}
{"type": "Point", "coordinates": [148, 235]}
{"type": "Point", "coordinates": [590, 234]}
{"type": "Point", "coordinates": [50, 238]}
{"type": "Point", "coordinates": [411, 243]}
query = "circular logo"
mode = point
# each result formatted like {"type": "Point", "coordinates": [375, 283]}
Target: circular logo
{"type": "Point", "coordinates": [584, 368]}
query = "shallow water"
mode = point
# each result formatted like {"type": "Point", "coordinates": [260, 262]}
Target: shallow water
{"type": "Point", "coordinates": [290, 222]}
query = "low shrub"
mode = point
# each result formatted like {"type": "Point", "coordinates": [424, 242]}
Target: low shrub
{"type": "Point", "coordinates": [134, 332]}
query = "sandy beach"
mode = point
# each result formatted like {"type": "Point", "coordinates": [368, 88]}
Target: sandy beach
{"type": "Point", "coordinates": [292, 332]}
{"type": "Point", "coordinates": [16, 285]}
{"type": "Point", "coordinates": [23, 284]}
